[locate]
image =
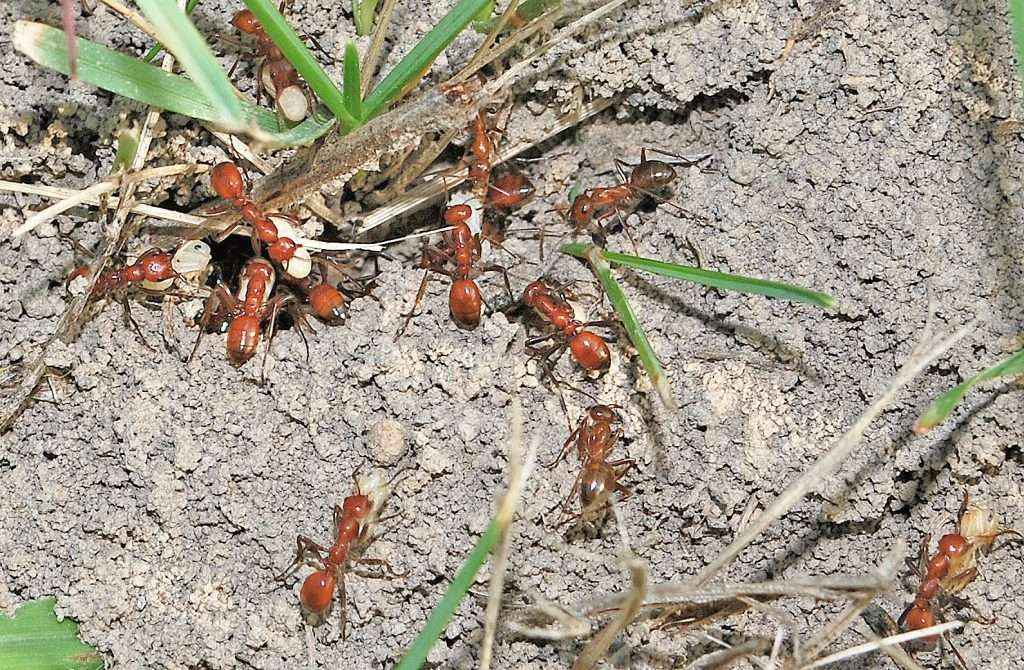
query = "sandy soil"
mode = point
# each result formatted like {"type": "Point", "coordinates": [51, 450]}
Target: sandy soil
{"type": "Point", "coordinates": [874, 162]}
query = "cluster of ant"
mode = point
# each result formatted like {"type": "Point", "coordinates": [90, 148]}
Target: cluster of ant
{"type": "Point", "coordinates": [258, 302]}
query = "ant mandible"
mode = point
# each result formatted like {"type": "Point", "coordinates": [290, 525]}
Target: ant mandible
{"type": "Point", "coordinates": [595, 438]}
{"type": "Point", "coordinates": [354, 522]}
{"type": "Point", "coordinates": [276, 230]}
{"type": "Point", "coordinates": [460, 248]}
{"type": "Point", "coordinates": [588, 349]}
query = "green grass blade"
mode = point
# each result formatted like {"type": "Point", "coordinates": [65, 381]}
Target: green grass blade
{"type": "Point", "coordinates": [634, 330]}
{"type": "Point", "coordinates": [945, 403]}
{"type": "Point", "coordinates": [157, 48]}
{"type": "Point", "coordinates": [527, 11]}
{"type": "Point", "coordinates": [720, 280]}
{"type": "Point", "coordinates": [418, 61]}
{"type": "Point", "coordinates": [293, 48]}
{"type": "Point", "coordinates": [441, 615]}
{"type": "Point", "coordinates": [362, 12]}
{"type": "Point", "coordinates": [182, 39]}
{"type": "Point", "coordinates": [33, 639]}
{"type": "Point", "coordinates": [353, 96]}
{"type": "Point", "coordinates": [1017, 16]}
{"type": "Point", "coordinates": [115, 72]}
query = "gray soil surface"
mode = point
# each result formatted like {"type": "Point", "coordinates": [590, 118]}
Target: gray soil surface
{"type": "Point", "coordinates": [877, 159]}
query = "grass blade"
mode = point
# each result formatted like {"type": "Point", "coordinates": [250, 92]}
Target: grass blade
{"type": "Point", "coordinates": [353, 77]}
{"type": "Point", "coordinates": [293, 48]}
{"type": "Point", "coordinates": [418, 61]}
{"type": "Point", "coordinates": [1017, 17]}
{"type": "Point", "coordinates": [945, 403]}
{"type": "Point", "coordinates": [362, 13]}
{"type": "Point", "coordinates": [155, 50]}
{"type": "Point", "coordinates": [105, 68]}
{"type": "Point", "coordinates": [182, 39]}
{"type": "Point", "coordinates": [33, 639]}
{"type": "Point", "coordinates": [527, 11]}
{"type": "Point", "coordinates": [634, 330]}
{"type": "Point", "coordinates": [720, 280]}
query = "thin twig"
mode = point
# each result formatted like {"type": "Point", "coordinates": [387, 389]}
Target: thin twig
{"type": "Point", "coordinates": [423, 195]}
{"type": "Point", "coordinates": [138, 19]}
{"type": "Point", "coordinates": [895, 652]}
{"type": "Point", "coordinates": [481, 52]}
{"type": "Point", "coordinates": [868, 647]}
{"type": "Point", "coordinates": [886, 571]}
{"type": "Point", "coordinates": [518, 472]}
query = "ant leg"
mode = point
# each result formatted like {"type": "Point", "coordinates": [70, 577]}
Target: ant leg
{"type": "Point", "coordinates": [416, 303]}
{"type": "Point", "coordinates": [303, 547]}
{"type": "Point", "coordinates": [385, 566]}
{"type": "Point", "coordinates": [566, 446]}
{"type": "Point", "coordinates": [343, 598]}
{"type": "Point", "coordinates": [504, 275]}
{"type": "Point", "coordinates": [274, 308]}
{"type": "Point", "coordinates": [963, 509]}
{"type": "Point", "coordinates": [130, 320]}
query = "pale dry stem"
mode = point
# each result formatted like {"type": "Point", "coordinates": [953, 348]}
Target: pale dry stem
{"type": "Point", "coordinates": [372, 56]}
{"type": "Point", "coordinates": [890, 641]}
{"type": "Point", "coordinates": [519, 472]}
{"type": "Point", "coordinates": [886, 571]}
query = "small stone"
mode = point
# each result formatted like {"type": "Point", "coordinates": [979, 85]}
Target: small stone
{"type": "Point", "coordinates": [387, 441]}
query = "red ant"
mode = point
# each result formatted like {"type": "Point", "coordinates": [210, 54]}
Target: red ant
{"type": "Point", "coordinates": [154, 272]}
{"type": "Point", "coordinates": [354, 523]}
{"type": "Point", "coordinates": [277, 75]}
{"type": "Point", "coordinates": [277, 234]}
{"type": "Point", "coordinates": [461, 248]}
{"type": "Point", "coordinates": [243, 317]}
{"type": "Point", "coordinates": [508, 190]}
{"type": "Point", "coordinates": [950, 571]}
{"type": "Point", "coordinates": [594, 205]}
{"type": "Point", "coordinates": [588, 349]}
{"type": "Point", "coordinates": [595, 438]}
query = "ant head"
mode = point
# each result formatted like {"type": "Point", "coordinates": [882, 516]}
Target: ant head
{"type": "Point", "coordinates": [534, 290]}
{"type": "Point", "coordinates": [464, 301]}
{"type": "Point", "coordinates": [582, 209]}
{"type": "Point", "coordinates": [317, 592]}
{"type": "Point", "coordinates": [596, 485]}
{"type": "Point", "coordinates": [227, 180]}
{"type": "Point", "coordinates": [358, 506]}
{"type": "Point", "coordinates": [604, 414]}
{"type": "Point", "coordinates": [246, 22]}
{"type": "Point", "coordinates": [456, 214]}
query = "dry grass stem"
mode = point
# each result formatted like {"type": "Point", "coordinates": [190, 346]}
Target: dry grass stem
{"type": "Point", "coordinates": [886, 571]}
{"type": "Point", "coordinates": [371, 59]}
{"type": "Point", "coordinates": [137, 19]}
{"type": "Point", "coordinates": [55, 192]}
{"type": "Point", "coordinates": [726, 657]}
{"type": "Point", "coordinates": [479, 58]}
{"type": "Point", "coordinates": [519, 472]}
{"type": "Point", "coordinates": [892, 640]}
{"type": "Point", "coordinates": [896, 653]}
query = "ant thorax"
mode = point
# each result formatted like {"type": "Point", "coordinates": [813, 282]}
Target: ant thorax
{"type": "Point", "coordinates": [243, 284]}
{"type": "Point", "coordinates": [476, 221]}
